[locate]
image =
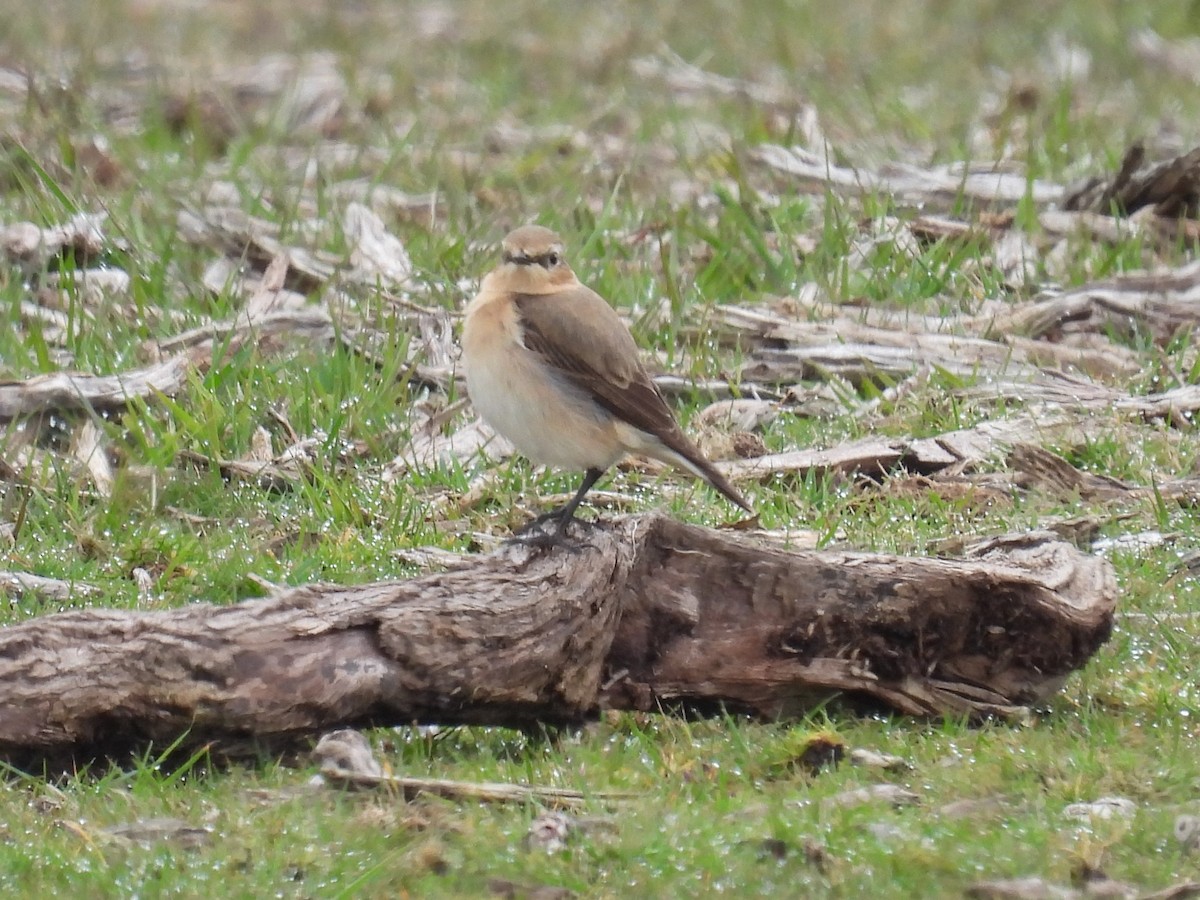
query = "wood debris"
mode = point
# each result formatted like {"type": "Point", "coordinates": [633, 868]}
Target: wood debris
{"type": "Point", "coordinates": [92, 286]}
{"type": "Point", "coordinates": [423, 209]}
{"type": "Point", "coordinates": [19, 584]}
{"type": "Point", "coordinates": [73, 391]}
{"type": "Point", "coordinates": [1030, 887]}
{"type": "Point", "coordinates": [648, 613]}
{"type": "Point", "coordinates": [1180, 57]}
{"type": "Point", "coordinates": [375, 254]}
{"type": "Point", "coordinates": [939, 187]}
{"type": "Point", "coordinates": [159, 830]}
{"type": "Point", "coordinates": [683, 77]}
{"type": "Point", "coordinates": [87, 447]}
{"type": "Point", "coordinates": [1158, 305]}
{"type": "Point", "coordinates": [32, 247]}
{"type": "Point", "coordinates": [299, 93]}
{"type": "Point", "coordinates": [891, 794]}
{"type": "Point", "coordinates": [1170, 189]}
{"type": "Point", "coordinates": [239, 235]}
{"type": "Point", "coordinates": [347, 760]}
{"type": "Point", "coordinates": [431, 445]}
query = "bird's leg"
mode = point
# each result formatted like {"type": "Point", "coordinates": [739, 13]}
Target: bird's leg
{"type": "Point", "coordinates": [564, 515]}
{"type": "Point", "coordinates": [590, 477]}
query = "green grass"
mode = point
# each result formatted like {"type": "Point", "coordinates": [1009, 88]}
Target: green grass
{"type": "Point", "coordinates": [440, 104]}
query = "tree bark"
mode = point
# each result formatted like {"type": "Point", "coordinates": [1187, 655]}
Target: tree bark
{"type": "Point", "coordinates": [645, 612]}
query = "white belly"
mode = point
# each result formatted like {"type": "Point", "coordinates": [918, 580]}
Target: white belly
{"type": "Point", "coordinates": [546, 418]}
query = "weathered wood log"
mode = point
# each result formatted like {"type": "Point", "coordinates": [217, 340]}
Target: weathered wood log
{"type": "Point", "coordinates": [645, 612]}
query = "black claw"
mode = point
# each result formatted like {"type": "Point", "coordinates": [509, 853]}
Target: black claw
{"type": "Point", "coordinates": [546, 540]}
{"type": "Point", "coordinates": [536, 523]}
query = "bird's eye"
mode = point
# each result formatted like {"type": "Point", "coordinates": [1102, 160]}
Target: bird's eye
{"type": "Point", "coordinates": [551, 260]}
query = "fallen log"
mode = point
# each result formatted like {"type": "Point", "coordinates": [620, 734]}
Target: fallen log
{"type": "Point", "coordinates": [645, 613]}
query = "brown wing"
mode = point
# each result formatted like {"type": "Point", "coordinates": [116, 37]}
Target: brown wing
{"type": "Point", "coordinates": [581, 336]}
{"type": "Point", "coordinates": [578, 333]}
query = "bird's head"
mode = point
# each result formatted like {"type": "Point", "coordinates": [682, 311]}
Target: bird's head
{"type": "Point", "coordinates": [533, 262]}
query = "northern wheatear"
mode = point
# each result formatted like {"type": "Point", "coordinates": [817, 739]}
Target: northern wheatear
{"type": "Point", "coordinates": [552, 367]}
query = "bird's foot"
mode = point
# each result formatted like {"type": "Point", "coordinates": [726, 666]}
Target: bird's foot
{"type": "Point", "coordinates": [537, 523]}
{"type": "Point", "coordinates": [545, 540]}
{"type": "Point", "coordinates": [534, 533]}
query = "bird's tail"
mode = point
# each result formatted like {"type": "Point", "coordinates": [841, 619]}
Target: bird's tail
{"type": "Point", "coordinates": [689, 457]}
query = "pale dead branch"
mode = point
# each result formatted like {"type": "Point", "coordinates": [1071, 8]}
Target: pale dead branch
{"type": "Point", "coordinates": [33, 247]}
{"type": "Point", "coordinates": [1054, 223]}
{"type": "Point", "coordinates": [376, 255]}
{"type": "Point", "coordinates": [64, 390]}
{"type": "Point", "coordinates": [261, 466]}
{"type": "Point", "coordinates": [18, 584]}
{"type": "Point", "coordinates": [1159, 304]}
{"type": "Point", "coordinates": [683, 77]}
{"type": "Point", "coordinates": [746, 414]}
{"type": "Point", "coordinates": [185, 352]}
{"type": "Point", "coordinates": [411, 787]}
{"type": "Point", "coordinates": [93, 285]}
{"type": "Point", "coordinates": [268, 294]}
{"type": "Point", "coordinates": [312, 324]}
{"type": "Point", "coordinates": [425, 209]}
{"type": "Point", "coordinates": [152, 831]}
{"type": "Point", "coordinates": [1062, 223]}
{"type": "Point", "coordinates": [52, 323]}
{"type": "Point", "coordinates": [952, 452]}
{"type": "Point", "coordinates": [1031, 887]}
{"type": "Point", "coordinates": [508, 134]}
{"type": "Point", "coordinates": [1063, 409]}
{"type": "Point", "coordinates": [431, 447]}
{"type": "Point", "coordinates": [267, 475]}
{"type": "Point", "coordinates": [1042, 470]}
{"type": "Point", "coordinates": [676, 386]}
{"type": "Point", "coordinates": [1036, 468]}
{"type": "Point", "coordinates": [939, 187]}
{"type": "Point", "coordinates": [347, 760]}
{"type": "Point", "coordinates": [790, 349]}
{"type": "Point", "coordinates": [1177, 406]}
{"type": "Point", "coordinates": [236, 234]}
{"type": "Point", "coordinates": [87, 447]}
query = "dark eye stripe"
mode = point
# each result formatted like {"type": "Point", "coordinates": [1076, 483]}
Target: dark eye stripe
{"type": "Point", "coordinates": [545, 260]}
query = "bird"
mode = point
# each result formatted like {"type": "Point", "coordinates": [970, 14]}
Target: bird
{"type": "Point", "coordinates": [551, 367]}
